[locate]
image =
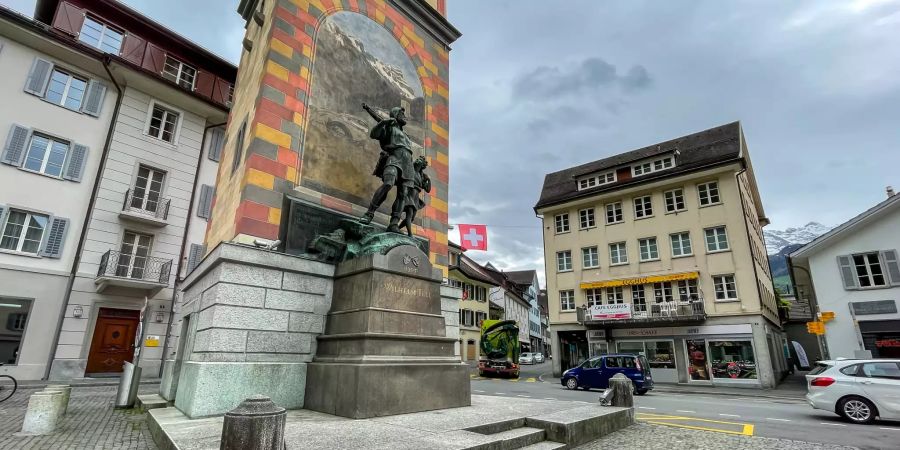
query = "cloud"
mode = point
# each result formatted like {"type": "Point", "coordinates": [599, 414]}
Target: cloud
{"type": "Point", "coordinates": [586, 77]}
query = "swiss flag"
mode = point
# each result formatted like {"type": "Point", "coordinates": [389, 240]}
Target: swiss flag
{"type": "Point", "coordinates": [473, 237]}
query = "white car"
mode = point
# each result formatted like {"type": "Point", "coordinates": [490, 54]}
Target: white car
{"type": "Point", "coordinates": [857, 389]}
{"type": "Point", "coordinates": [538, 358]}
{"type": "Point", "coordinates": [526, 358]}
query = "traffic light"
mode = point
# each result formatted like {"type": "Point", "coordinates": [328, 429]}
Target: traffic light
{"type": "Point", "coordinates": [827, 316]}
{"type": "Point", "coordinates": [817, 328]}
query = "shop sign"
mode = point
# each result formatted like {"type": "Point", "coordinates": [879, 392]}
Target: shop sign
{"type": "Point", "coordinates": [875, 307]}
{"type": "Point", "coordinates": [684, 331]}
{"type": "Point", "coordinates": [887, 343]}
{"type": "Point", "coordinates": [641, 280]}
{"type": "Point", "coordinates": [596, 335]}
{"type": "Point", "coordinates": [607, 312]}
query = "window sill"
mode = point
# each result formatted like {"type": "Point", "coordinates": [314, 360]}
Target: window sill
{"type": "Point", "coordinates": [566, 310]}
{"type": "Point", "coordinates": [644, 217]}
{"type": "Point", "coordinates": [590, 267]}
{"type": "Point", "coordinates": [711, 204]}
{"type": "Point", "coordinates": [160, 140]}
{"type": "Point", "coordinates": [676, 211]}
{"type": "Point", "coordinates": [649, 260]}
{"type": "Point", "coordinates": [76, 111]}
{"type": "Point", "coordinates": [871, 288]}
{"type": "Point", "coordinates": [564, 271]}
{"type": "Point", "coordinates": [682, 256]}
{"type": "Point", "coordinates": [18, 253]}
{"type": "Point", "coordinates": [562, 232]}
{"type": "Point", "coordinates": [587, 228]}
{"type": "Point", "coordinates": [614, 223]}
{"type": "Point", "coordinates": [23, 169]}
{"type": "Point", "coordinates": [728, 300]}
{"type": "Point", "coordinates": [708, 252]}
{"type": "Point", "coordinates": [619, 264]}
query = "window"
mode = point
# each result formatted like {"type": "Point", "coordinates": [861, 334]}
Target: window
{"type": "Point", "coordinates": [889, 370]}
{"type": "Point", "coordinates": [46, 155]}
{"type": "Point", "coordinates": [594, 296]}
{"type": "Point", "coordinates": [617, 253]}
{"type": "Point", "coordinates": [681, 244]}
{"type": "Point", "coordinates": [179, 73]}
{"type": "Point", "coordinates": [562, 222]}
{"type": "Point", "coordinates": [614, 213]}
{"type": "Point", "coordinates": [564, 261]}
{"type": "Point", "coordinates": [587, 183]}
{"type": "Point", "coordinates": [732, 359]}
{"type": "Point", "coordinates": [23, 232]}
{"type": "Point", "coordinates": [674, 200]}
{"type": "Point", "coordinates": [467, 317]}
{"type": "Point", "coordinates": [239, 147]}
{"type": "Point", "coordinates": [16, 313]}
{"type": "Point", "coordinates": [586, 218]}
{"type": "Point", "coordinates": [688, 291]}
{"type": "Point", "coordinates": [147, 189]}
{"type": "Point", "coordinates": [652, 166]}
{"type": "Point", "coordinates": [133, 256]}
{"type": "Point", "coordinates": [649, 249]}
{"type": "Point", "coordinates": [662, 292]}
{"type": "Point", "coordinates": [615, 295]}
{"type": "Point", "coordinates": [709, 193]}
{"type": "Point", "coordinates": [598, 180]}
{"type": "Point", "coordinates": [725, 287]}
{"type": "Point", "coordinates": [567, 300]}
{"type": "Point", "coordinates": [66, 89]}
{"type": "Point", "coordinates": [638, 298]}
{"type": "Point", "coordinates": [661, 354]}
{"type": "Point", "coordinates": [643, 207]}
{"type": "Point", "coordinates": [869, 271]}
{"type": "Point", "coordinates": [716, 239]}
{"type": "Point", "coordinates": [162, 124]}
{"type": "Point", "coordinates": [590, 258]}
{"type": "Point", "coordinates": [100, 35]}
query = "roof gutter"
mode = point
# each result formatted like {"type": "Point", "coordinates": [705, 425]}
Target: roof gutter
{"type": "Point", "coordinates": [87, 218]}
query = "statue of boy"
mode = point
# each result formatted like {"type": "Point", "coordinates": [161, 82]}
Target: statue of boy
{"type": "Point", "coordinates": [395, 165]}
{"type": "Point", "coordinates": [412, 203]}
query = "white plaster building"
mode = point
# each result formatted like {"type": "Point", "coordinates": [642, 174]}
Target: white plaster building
{"type": "Point", "coordinates": [856, 275]}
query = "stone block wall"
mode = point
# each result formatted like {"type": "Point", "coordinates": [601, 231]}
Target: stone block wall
{"type": "Point", "coordinates": [253, 318]}
{"type": "Point", "coordinates": [450, 298]}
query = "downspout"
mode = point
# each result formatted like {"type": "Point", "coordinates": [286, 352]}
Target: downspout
{"type": "Point", "coordinates": [184, 239]}
{"type": "Point", "coordinates": [87, 218]}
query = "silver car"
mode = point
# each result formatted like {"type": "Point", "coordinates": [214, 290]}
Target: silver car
{"type": "Point", "coordinates": [538, 358]}
{"type": "Point", "coordinates": [526, 358]}
{"type": "Point", "coordinates": [857, 389]}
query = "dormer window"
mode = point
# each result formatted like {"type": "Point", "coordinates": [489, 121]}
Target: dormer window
{"type": "Point", "coordinates": [179, 72]}
{"type": "Point", "coordinates": [653, 166]}
{"type": "Point", "coordinates": [100, 35]}
{"type": "Point", "coordinates": [596, 180]}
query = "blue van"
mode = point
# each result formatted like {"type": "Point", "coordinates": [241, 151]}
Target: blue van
{"type": "Point", "coordinates": [596, 372]}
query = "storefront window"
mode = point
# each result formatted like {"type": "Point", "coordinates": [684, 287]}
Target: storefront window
{"type": "Point", "coordinates": [661, 354]}
{"type": "Point", "coordinates": [696, 350]}
{"type": "Point", "coordinates": [598, 348]}
{"type": "Point", "coordinates": [732, 359]}
{"type": "Point", "coordinates": [13, 318]}
{"type": "Point", "coordinates": [634, 348]}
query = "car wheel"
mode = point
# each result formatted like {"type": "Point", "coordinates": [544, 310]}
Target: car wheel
{"type": "Point", "coordinates": [857, 410]}
{"type": "Point", "coordinates": [571, 384]}
{"type": "Point", "coordinates": [480, 373]}
{"type": "Point", "coordinates": [640, 391]}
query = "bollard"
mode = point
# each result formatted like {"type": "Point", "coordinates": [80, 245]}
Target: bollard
{"type": "Point", "coordinates": [622, 391]}
{"type": "Point", "coordinates": [42, 414]}
{"type": "Point", "coordinates": [66, 391]}
{"type": "Point", "coordinates": [256, 424]}
{"type": "Point", "coordinates": [60, 399]}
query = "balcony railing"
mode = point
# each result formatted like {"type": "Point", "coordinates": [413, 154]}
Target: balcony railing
{"type": "Point", "coordinates": [665, 312]}
{"type": "Point", "coordinates": [157, 208]}
{"type": "Point", "coordinates": [125, 270]}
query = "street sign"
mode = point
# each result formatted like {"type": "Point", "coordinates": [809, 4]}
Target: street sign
{"type": "Point", "coordinates": [817, 328]}
{"type": "Point", "coordinates": [827, 316]}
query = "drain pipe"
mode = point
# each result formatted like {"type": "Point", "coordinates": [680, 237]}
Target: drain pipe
{"type": "Point", "coordinates": [184, 239]}
{"type": "Point", "coordinates": [87, 219]}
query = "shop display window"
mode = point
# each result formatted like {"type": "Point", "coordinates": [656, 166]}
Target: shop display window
{"type": "Point", "coordinates": [13, 317]}
{"type": "Point", "coordinates": [661, 354]}
{"type": "Point", "coordinates": [732, 360]}
{"type": "Point", "coordinates": [696, 350]}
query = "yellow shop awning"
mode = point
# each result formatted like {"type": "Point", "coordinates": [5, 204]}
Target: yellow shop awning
{"type": "Point", "coordinates": [641, 280]}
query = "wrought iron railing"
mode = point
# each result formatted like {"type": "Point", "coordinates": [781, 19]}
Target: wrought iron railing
{"type": "Point", "coordinates": [145, 204]}
{"type": "Point", "coordinates": [146, 268]}
{"type": "Point", "coordinates": [651, 312]}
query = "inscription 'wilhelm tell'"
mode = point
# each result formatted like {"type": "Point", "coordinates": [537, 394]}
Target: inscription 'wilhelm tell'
{"type": "Point", "coordinates": [398, 288]}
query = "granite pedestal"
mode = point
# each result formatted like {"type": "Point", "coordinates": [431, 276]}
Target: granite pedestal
{"type": "Point", "coordinates": [385, 350]}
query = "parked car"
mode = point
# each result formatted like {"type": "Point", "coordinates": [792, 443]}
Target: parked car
{"type": "Point", "coordinates": [596, 372]}
{"type": "Point", "coordinates": [526, 358]}
{"type": "Point", "coordinates": [538, 358]}
{"type": "Point", "coordinates": [859, 390]}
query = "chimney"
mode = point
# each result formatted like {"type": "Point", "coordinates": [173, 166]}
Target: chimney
{"type": "Point", "coordinates": [890, 191]}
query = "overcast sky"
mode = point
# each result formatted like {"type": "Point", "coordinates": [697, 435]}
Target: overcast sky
{"type": "Point", "coordinates": [536, 89]}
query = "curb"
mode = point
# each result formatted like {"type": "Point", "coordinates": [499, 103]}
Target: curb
{"type": "Point", "coordinates": [45, 383]}
{"type": "Point", "coordinates": [749, 393]}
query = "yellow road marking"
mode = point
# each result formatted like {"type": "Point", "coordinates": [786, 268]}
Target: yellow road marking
{"type": "Point", "coordinates": [531, 380]}
{"type": "Point", "coordinates": [746, 429]}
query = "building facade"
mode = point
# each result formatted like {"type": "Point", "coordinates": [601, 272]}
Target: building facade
{"type": "Point", "coordinates": [474, 306]}
{"type": "Point", "coordinates": [141, 136]}
{"type": "Point", "coordinates": [853, 272]}
{"type": "Point", "coordinates": [527, 283]}
{"type": "Point", "coordinates": [659, 251]}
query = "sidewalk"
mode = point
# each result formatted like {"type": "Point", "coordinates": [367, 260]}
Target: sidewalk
{"type": "Point", "coordinates": [80, 382]}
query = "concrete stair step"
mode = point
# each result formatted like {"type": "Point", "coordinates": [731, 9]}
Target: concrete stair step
{"type": "Point", "coordinates": [147, 402]}
{"type": "Point", "coordinates": [518, 437]}
{"type": "Point", "coordinates": [545, 445]}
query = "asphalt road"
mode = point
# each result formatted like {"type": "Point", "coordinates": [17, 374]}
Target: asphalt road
{"type": "Point", "coordinates": [777, 418]}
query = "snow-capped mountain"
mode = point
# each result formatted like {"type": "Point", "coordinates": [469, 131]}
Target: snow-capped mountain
{"type": "Point", "coordinates": [389, 72]}
{"type": "Point", "coordinates": [778, 239]}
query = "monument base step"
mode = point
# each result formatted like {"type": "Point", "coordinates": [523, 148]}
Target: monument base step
{"type": "Point", "coordinates": [439, 430]}
{"type": "Point", "coordinates": [147, 402]}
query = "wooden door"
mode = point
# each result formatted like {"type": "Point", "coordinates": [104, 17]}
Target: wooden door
{"type": "Point", "coordinates": [113, 340]}
{"type": "Point", "coordinates": [470, 351]}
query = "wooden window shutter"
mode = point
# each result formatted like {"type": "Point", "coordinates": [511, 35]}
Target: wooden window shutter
{"type": "Point", "coordinates": [16, 142]}
{"type": "Point", "coordinates": [216, 143]}
{"type": "Point", "coordinates": [195, 256]}
{"type": "Point", "coordinates": [205, 83]}
{"type": "Point", "coordinates": [154, 59]}
{"type": "Point", "coordinates": [848, 273]}
{"type": "Point", "coordinates": [3, 210]}
{"type": "Point", "coordinates": [204, 208]}
{"type": "Point", "coordinates": [38, 77]}
{"type": "Point", "coordinates": [133, 49]}
{"type": "Point", "coordinates": [893, 266]}
{"type": "Point", "coordinates": [74, 168]}
{"type": "Point", "coordinates": [93, 100]}
{"type": "Point", "coordinates": [55, 238]}
{"type": "Point", "coordinates": [68, 19]}
{"type": "Point", "coordinates": [220, 91]}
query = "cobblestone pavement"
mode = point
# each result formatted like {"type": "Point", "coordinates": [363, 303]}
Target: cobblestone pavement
{"type": "Point", "coordinates": [90, 423]}
{"type": "Point", "coordinates": [660, 437]}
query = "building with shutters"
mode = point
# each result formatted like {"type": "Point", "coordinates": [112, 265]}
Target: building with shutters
{"type": "Point", "coordinates": [476, 283]}
{"type": "Point", "coordinates": [659, 251]}
{"type": "Point", "coordinates": [853, 272]}
{"type": "Point", "coordinates": [106, 183]}
{"type": "Point", "coordinates": [527, 283]}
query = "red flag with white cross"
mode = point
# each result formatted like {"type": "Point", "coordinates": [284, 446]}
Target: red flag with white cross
{"type": "Point", "coordinates": [473, 237]}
